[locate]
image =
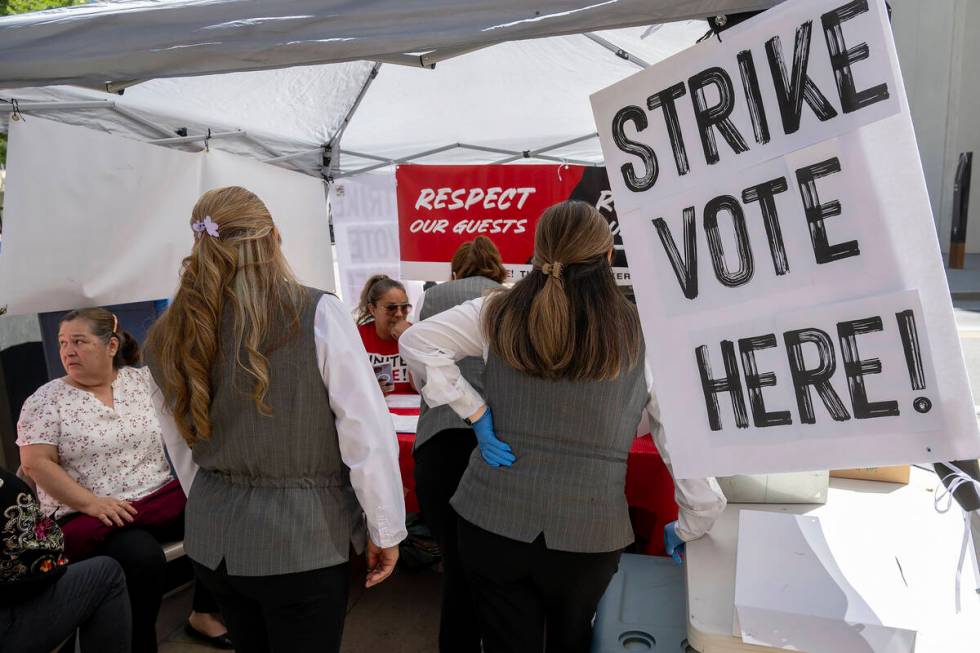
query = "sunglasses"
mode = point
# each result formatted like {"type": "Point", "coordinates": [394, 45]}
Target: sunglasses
{"type": "Point", "coordinates": [393, 308]}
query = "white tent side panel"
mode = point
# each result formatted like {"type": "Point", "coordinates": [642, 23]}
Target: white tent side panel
{"type": "Point", "coordinates": [93, 219]}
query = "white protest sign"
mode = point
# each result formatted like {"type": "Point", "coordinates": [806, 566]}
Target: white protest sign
{"type": "Point", "coordinates": [783, 252]}
{"type": "Point", "coordinates": [365, 225]}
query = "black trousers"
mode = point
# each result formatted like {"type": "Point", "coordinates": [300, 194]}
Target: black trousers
{"type": "Point", "coordinates": [530, 598]}
{"type": "Point", "coordinates": [138, 552]}
{"type": "Point", "coordinates": [283, 613]}
{"type": "Point", "coordinates": [439, 465]}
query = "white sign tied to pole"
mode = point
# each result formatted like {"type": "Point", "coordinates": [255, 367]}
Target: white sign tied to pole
{"type": "Point", "coordinates": [783, 251]}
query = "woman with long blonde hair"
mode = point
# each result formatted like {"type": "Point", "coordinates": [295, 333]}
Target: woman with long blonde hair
{"type": "Point", "coordinates": [542, 507]}
{"type": "Point", "coordinates": [267, 383]}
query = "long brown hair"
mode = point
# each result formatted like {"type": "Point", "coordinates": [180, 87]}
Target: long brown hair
{"type": "Point", "coordinates": [478, 258]}
{"type": "Point", "coordinates": [105, 327]}
{"type": "Point", "coordinates": [566, 319]}
{"type": "Point", "coordinates": [372, 292]}
{"type": "Point", "coordinates": [241, 269]}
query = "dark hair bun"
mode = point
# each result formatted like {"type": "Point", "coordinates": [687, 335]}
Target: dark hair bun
{"type": "Point", "coordinates": [128, 352]}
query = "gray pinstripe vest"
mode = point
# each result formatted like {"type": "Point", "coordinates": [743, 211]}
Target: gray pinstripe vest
{"type": "Point", "coordinates": [571, 441]}
{"type": "Point", "coordinates": [438, 299]}
{"type": "Point", "coordinates": [272, 495]}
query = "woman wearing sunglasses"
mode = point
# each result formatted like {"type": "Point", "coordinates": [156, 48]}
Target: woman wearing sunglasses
{"type": "Point", "coordinates": [382, 316]}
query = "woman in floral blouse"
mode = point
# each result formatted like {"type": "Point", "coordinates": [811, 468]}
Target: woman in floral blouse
{"type": "Point", "coordinates": [92, 443]}
{"type": "Point", "coordinates": [43, 599]}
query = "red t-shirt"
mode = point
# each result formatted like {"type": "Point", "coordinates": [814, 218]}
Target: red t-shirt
{"type": "Point", "coordinates": [382, 353]}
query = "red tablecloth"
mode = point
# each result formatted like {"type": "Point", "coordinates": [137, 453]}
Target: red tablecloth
{"type": "Point", "coordinates": [649, 488]}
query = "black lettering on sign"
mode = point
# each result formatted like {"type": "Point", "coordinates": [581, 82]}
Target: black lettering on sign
{"type": "Point", "coordinates": [816, 213]}
{"type": "Point", "coordinates": [856, 369]}
{"type": "Point", "coordinates": [765, 194]}
{"type": "Point", "coordinates": [686, 269]}
{"type": "Point", "coordinates": [910, 344]}
{"type": "Point", "coordinates": [818, 377]}
{"type": "Point", "coordinates": [645, 152]}
{"type": "Point", "coordinates": [793, 88]}
{"type": "Point", "coordinates": [755, 381]}
{"type": "Point", "coordinates": [841, 58]}
{"type": "Point", "coordinates": [750, 82]}
{"type": "Point", "coordinates": [665, 99]}
{"type": "Point", "coordinates": [732, 384]}
{"type": "Point", "coordinates": [716, 116]}
{"type": "Point", "coordinates": [746, 267]}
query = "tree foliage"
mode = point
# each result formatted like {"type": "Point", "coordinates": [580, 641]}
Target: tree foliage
{"type": "Point", "coordinates": [23, 6]}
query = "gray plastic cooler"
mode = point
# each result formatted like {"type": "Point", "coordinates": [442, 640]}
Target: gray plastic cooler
{"type": "Point", "coordinates": [644, 608]}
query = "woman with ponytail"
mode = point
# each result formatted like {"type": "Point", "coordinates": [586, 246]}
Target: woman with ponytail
{"type": "Point", "coordinates": [265, 383]}
{"type": "Point", "coordinates": [92, 443]}
{"type": "Point", "coordinates": [444, 442]}
{"type": "Point", "coordinates": [542, 507]}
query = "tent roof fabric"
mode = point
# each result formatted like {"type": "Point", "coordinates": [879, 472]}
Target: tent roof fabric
{"type": "Point", "coordinates": [513, 96]}
{"type": "Point", "coordinates": [96, 43]}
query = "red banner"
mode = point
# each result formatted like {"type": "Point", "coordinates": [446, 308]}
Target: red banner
{"type": "Point", "coordinates": [441, 207]}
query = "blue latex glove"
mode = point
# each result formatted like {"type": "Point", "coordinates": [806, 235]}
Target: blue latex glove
{"type": "Point", "coordinates": [673, 542]}
{"type": "Point", "coordinates": [496, 452]}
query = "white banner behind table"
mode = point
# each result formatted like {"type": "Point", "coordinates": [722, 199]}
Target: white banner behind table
{"type": "Point", "coordinates": [782, 249]}
{"type": "Point", "coordinates": [365, 225]}
{"type": "Point", "coordinates": [94, 219]}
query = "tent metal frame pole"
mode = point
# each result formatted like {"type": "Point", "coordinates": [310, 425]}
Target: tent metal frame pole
{"type": "Point", "coordinates": [537, 154]}
{"type": "Point", "coordinates": [166, 133]}
{"type": "Point", "coordinates": [331, 149]}
{"type": "Point", "coordinates": [616, 50]}
{"type": "Point", "coordinates": [290, 157]}
{"type": "Point", "coordinates": [362, 155]}
{"type": "Point", "coordinates": [135, 117]}
{"type": "Point", "coordinates": [27, 107]}
{"type": "Point", "coordinates": [527, 154]}
{"type": "Point", "coordinates": [196, 137]}
{"type": "Point", "coordinates": [259, 144]}
{"type": "Point", "coordinates": [390, 162]}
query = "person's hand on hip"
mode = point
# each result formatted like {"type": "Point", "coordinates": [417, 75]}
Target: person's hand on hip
{"type": "Point", "coordinates": [495, 452]}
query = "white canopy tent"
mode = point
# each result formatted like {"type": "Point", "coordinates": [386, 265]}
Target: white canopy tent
{"type": "Point", "coordinates": [498, 103]}
{"type": "Point", "coordinates": [120, 42]}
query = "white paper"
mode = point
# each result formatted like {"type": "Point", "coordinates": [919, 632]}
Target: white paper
{"type": "Point", "coordinates": [92, 219]}
{"type": "Point", "coordinates": [798, 589]}
{"type": "Point", "coordinates": [847, 232]}
{"type": "Point", "coordinates": [403, 400]}
{"type": "Point", "coordinates": [405, 423]}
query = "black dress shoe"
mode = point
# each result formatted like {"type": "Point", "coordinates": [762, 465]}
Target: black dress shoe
{"type": "Point", "coordinates": [219, 641]}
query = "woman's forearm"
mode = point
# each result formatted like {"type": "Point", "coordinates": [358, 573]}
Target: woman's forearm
{"type": "Point", "coordinates": [54, 480]}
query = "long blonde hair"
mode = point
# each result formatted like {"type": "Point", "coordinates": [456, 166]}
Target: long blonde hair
{"type": "Point", "coordinates": [566, 319]}
{"type": "Point", "coordinates": [243, 270]}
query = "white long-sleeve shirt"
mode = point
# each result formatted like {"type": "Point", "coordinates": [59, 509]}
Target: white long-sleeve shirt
{"type": "Point", "coordinates": [433, 346]}
{"type": "Point", "coordinates": [368, 444]}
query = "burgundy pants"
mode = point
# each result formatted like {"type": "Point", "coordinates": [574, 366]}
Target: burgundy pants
{"type": "Point", "coordinates": [156, 513]}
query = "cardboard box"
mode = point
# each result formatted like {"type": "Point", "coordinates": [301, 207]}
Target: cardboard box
{"type": "Point", "coordinates": [896, 474]}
